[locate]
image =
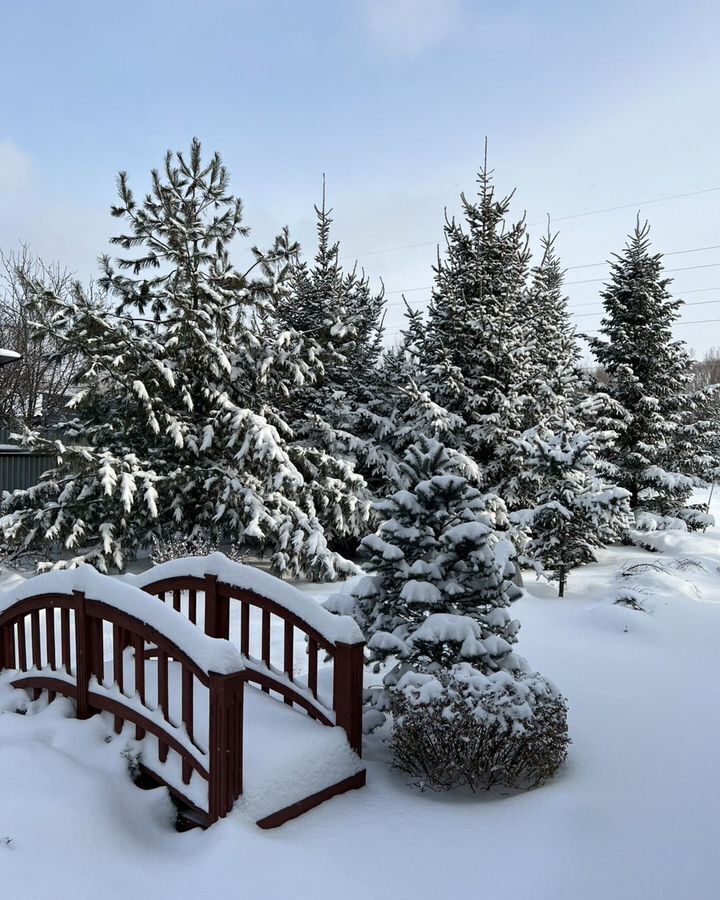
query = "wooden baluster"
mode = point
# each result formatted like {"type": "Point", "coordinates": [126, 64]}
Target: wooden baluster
{"type": "Point", "coordinates": [50, 637]}
{"type": "Point", "coordinates": [161, 596]}
{"type": "Point", "coordinates": [266, 642]}
{"type": "Point", "coordinates": [7, 642]}
{"type": "Point", "coordinates": [192, 605]}
{"type": "Point", "coordinates": [96, 648]}
{"type": "Point", "coordinates": [177, 601]}
{"type": "Point", "coordinates": [35, 643]}
{"type": "Point", "coordinates": [65, 657]}
{"type": "Point", "coordinates": [82, 654]}
{"type": "Point", "coordinates": [245, 628]}
{"type": "Point", "coordinates": [50, 644]}
{"type": "Point", "coordinates": [162, 682]}
{"type": "Point", "coordinates": [187, 717]}
{"type": "Point", "coordinates": [118, 644]}
{"type": "Point", "coordinates": [139, 653]}
{"type": "Point", "coordinates": [288, 654]}
{"type": "Point", "coordinates": [22, 647]}
{"type": "Point", "coordinates": [312, 666]}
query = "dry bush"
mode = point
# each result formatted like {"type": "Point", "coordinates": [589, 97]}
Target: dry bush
{"type": "Point", "coordinates": [513, 732]}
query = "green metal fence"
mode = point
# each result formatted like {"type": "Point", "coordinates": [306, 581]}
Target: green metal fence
{"type": "Point", "coordinates": [19, 468]}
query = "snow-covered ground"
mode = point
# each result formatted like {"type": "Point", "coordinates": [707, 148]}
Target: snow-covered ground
{"type": "Point", "coordinates": [633, 814]}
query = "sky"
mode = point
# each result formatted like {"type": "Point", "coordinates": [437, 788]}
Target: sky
{"type": "Point", "coordinates": [586, 106]}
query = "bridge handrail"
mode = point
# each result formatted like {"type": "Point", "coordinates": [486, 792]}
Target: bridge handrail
{"type": "Point", "coordinates": [334, 629]}
{"type": "Point", "coordinates": [223, 580]}
{"type": "Point", "coordinates": [210, 654]}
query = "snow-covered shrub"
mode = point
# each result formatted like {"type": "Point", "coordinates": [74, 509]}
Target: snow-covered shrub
{"type": "Point", "coordinates": [463, 727]}
{"type": "Point", "coordinates": [631, 597]}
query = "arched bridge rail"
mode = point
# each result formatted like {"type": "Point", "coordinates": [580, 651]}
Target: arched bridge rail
{"type": "Point", "coordinates": [239, 603]}
{"type": "Point", "coordinates": [189, 697]}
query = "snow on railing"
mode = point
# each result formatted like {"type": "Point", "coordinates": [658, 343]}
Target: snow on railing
{"type": "Point", "coordinates": [334, 629]}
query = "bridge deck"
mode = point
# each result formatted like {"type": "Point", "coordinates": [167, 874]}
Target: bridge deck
{"type": "Point", "coordinates": [288, 757]}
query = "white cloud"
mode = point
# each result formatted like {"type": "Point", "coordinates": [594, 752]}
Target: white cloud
{"type": "Point", "coordinates": [15, 168]}
{"type": "Point", "coordinates": [411, 26]}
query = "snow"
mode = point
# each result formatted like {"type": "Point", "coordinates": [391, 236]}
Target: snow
{"type": "Point", "coordinates": [420, 592]}
{"type": "Point", "coordinates": [336, 629]}
{"type": "Point", "coordinates": [633, 814]}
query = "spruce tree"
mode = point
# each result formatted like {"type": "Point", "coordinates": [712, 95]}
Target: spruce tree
{"type": "Point", "coordinates": [555, 352]}
{"type": "Point", "coordinates": [172, 430]}
{"type": "Point", "coordinates": [575, 513]}
{"type": "Point", "coordinates": [342, 316]}
{"type": "Point", "coordinates": [400, 409]}
{"type": "Point", "coordinates": [440, 570]}
{"type": "Point", "coordinates": [476, 349]}
{"type": "Point", "coordinates": [661, 446]}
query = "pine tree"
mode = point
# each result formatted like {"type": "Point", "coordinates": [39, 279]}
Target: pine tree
{"type": "Point", "coordinates": [476, 350]}
{"type": "Point", "coordinates": [575, 513]}
{"type": "Point", "coordinates": [660, 450]}
{"type": "Point", "coordinates": [173, 429]}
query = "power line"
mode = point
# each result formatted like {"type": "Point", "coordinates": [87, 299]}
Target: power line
{"type": "Point", "coordinates": [581, 334]}
{"type": "Point", "coordinates": [679, 269]}
{"type": "Point", "coordinates": [669, 253]}
{"type": "Point", "coordinates": [593, 212]}
{"type": "Point", "coordinates": [429, 287]}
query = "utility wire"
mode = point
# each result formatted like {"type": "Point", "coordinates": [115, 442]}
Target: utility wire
{"type": "Point", "coordinates": [428, 287]}
{"type": "Point", "coordinates": [593, 212]}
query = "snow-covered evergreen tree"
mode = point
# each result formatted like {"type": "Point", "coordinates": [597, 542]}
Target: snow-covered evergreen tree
{"type": "Point", "coordinates": [476, 349]}
{"type": "Point", "coordinates": [440, 583]}
{"type": "Point", "coordinates": [341, 315]}
{"type": "Point", "coordinates": [466, 709]}
{"type": "Point", "coordinates": [660, 451]}
{"type": "Point", "coordinates": [399, 410]}
{"type": "Point", "coordinates": [575, 513]}
{"type": "Point", "coordinates": [173, 430]}
{"type": "Point", "coordinates": [341, 312]}
{"type": "Point", "coordinates": [555, 361]}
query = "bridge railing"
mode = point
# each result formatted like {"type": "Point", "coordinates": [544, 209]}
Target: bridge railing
{"type": "Point", "coordinates": [87, 636]}
{"type": "Point", "coordinates": [261, 614]}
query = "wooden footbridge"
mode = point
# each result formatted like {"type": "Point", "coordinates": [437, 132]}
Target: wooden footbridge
{"type": "Point", "coordinates": [197, 661]}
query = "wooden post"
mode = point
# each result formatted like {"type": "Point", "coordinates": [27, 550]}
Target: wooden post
{"type": "Point", "coordinates": [225, 745]}
{"type": "Point", "coordinates": [348, 691]}
{"type": "Point", "coordinates": [217, 610]}
{"type": "Point", "coordinates": [82, 656]}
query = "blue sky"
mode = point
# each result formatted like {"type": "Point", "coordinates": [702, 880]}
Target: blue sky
{"type": "Point", "coordinates": [586, 105]}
